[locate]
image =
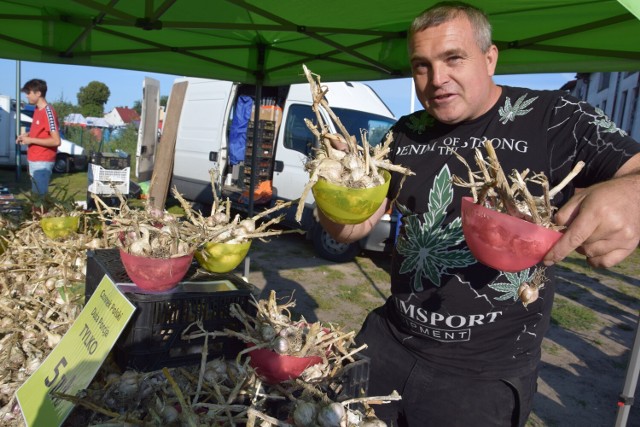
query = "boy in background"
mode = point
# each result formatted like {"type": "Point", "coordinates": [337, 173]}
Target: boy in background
{"type": "Point", "coordinates": [43, 138]}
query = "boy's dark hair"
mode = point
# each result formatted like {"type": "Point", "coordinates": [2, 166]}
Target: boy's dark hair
{"type": "Point", "coordinates": [35, 85]}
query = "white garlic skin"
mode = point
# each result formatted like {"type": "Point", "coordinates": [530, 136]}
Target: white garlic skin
{"type": "Point", "coordinates": [528, 293]}
{"type": "Point", "coordinates": [304, 414]}
{"type": "Point", "coordinates": [330, 415]}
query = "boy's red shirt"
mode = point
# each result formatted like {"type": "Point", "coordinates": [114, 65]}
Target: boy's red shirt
{"type": "Point", "coordinates": [44, 122]}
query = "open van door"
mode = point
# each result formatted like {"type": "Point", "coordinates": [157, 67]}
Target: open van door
{"type": "Point", "coordinates": [148, 132]}
{"type": "Point", "coordinates": [202, 134]}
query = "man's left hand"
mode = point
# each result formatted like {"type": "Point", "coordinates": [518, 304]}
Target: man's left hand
{"type": "Point", "coordinates": [603, 223]}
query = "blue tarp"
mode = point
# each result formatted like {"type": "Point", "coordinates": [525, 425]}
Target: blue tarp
{"type": "Point", "coordinates": [238, 130]}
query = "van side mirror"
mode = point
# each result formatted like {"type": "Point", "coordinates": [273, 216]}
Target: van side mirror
{"type": "Point", "coordinates": [278, 166]}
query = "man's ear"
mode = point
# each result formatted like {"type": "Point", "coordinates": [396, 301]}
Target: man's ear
{"type": "Point", "coordinates": [491, 57]}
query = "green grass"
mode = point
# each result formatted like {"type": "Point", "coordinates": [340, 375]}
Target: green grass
{"type": "Point", "coordinates": [552, 349]}
{"type": "Point", "coordinates": [328, 274]}
{"type": "Point", "coordinates": [569, 315]}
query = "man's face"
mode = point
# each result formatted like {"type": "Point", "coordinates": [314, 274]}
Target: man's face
{"type": "Point", "coordinates": [451, 74]}
{"type": "Point", "coordinates": [32, 96]}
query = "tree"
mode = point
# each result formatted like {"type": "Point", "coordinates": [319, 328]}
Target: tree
{"type": "Point", "coordinates": [64, 108]}
{"type": "Point", "coordinates": [92, 99]}
{"type": "Point", "coordinates": [137, 105]}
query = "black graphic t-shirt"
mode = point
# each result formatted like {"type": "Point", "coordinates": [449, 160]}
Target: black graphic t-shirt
{"type": "Point", "coordinates": [446, 307]}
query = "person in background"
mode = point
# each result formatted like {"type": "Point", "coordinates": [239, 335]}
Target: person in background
{"type": "Point", "coordinates": [42, 140]}
{"type": "Point", "coordinates": [453, 338]}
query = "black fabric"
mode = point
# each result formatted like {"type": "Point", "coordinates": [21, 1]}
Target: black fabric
{"type": "Point", "coordinates": [460, 316]}
{"type": "Point", "coordinates": [432, 398]}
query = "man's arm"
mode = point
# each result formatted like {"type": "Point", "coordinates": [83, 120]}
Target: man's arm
{"type": "Point", "coordinates": [350, 233]}
{"type": "Point", "coordinates": [603, 221]}
{"type": "Point", "coordinates": [52, 141]}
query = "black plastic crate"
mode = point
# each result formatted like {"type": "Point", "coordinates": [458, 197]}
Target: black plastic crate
{"type": "Point", "coordinates": [110, 160]}
{"type": "Point", "coordinates": [354, 381]}
{"type": "Point", "coordinates": [152, 339]}
{"type": "Point", "coordinates": [264, 124]}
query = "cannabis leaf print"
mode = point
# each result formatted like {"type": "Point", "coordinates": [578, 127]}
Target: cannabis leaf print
{"type": "Point", "coordinates": [421, 123]}
{"type": "Point", "coordinates": [510, 288]}
{"type": "Point", "coordinates": [605, 123]}
{"type": "Point", "coordinates": [427, 244]}
{"type": "Point", "coordinates": [509, 113]}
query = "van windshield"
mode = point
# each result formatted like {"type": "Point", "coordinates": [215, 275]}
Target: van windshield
{"type": "Point", "coordinates": [299, 138]}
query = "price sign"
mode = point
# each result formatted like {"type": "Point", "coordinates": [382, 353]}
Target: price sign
{"type": "Point", "coordinates": [71, 366]}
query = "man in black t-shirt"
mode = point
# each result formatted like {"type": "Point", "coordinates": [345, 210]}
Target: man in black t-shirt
{"type": "Point", "coordinates": [453, 338]}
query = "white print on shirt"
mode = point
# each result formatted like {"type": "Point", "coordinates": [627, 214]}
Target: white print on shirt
{"type": "Point", "coordinates": [447, 145]}
{"type": "Point", "coordinates": [427, 245]}
{"type": "Point", "coordinates": [509, 112]}
{"type": "Point", "coordinates": [595, 117]}
{"type": "Point", "coordinates": [449, 328]}
{"type": "Point", "coordinates": [51, 119]}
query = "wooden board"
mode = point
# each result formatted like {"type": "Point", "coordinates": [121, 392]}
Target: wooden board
{"type": "Point", "coordinates": [163, 167]}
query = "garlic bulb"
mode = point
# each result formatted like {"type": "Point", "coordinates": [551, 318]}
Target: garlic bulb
{"type": "Point", "coordinates": [331, 415]}
{"type": "Point", "coordinates": [528, 293]}
{"type": "Point", "coordinates": [304, 414]}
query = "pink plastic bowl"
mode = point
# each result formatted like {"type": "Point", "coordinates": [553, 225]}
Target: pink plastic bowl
{"type": "Point", "coordinates": [502, 241]}
{"type": "Point", "coordinates": [155, 274]}
{"type": "Point", "coordinates": [275, 368]}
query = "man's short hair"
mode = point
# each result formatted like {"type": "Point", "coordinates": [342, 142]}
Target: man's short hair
{"type": "Point", "coordinates": [446, 11]}
{"type": "Point", "coordinates": [35, 85]}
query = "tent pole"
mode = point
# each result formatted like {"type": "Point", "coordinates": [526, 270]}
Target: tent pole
{"type": "Point", "coordinates": [18, 112]}
{"type": "Point", "coordinates": [626, 397]}
{"type": "Point", "coordinates": [254, 148]}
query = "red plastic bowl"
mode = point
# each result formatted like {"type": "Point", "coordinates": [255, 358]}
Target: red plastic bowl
{"type": "Point", "coordinates": [275, 368]}
{"type": "Point", "coordinates": [502, 241]}
{"type": "Point", "coordinates": [155, 274]}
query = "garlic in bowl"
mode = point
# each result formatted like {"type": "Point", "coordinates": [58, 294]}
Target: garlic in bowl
{"type": "Point", "coordinates": [502, 241]}
{"type": "Point", "coordinates": [345, 205]}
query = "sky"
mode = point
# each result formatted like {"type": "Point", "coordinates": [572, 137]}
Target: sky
{"type": "Point", "coordinates": [64, 82]}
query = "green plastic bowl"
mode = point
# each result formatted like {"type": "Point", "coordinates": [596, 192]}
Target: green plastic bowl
{"type": "Point", "coordinates": [344, 205]}
{"type": "Point", "coordinates": [60, 226]}
{"type": "Point", "coordinates": [222, 257]}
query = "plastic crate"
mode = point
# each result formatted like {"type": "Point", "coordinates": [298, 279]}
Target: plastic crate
{"type": "Point", "coordinates": [264, 124]}
{"type": "Point", "coordinates": [354, 381]}
{"type": "Point", "coordinates": [108, 181]}
{"type": "Point", "coordinates": [110, 160]}
{"type": "Point", "coordinates": [152, 339]}
{"type": "Point", "coordinates": [98, 173]}
{"type": "Point", "coordinates": [107, 188]}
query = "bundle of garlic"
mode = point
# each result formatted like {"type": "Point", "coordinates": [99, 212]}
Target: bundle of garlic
{"type": "Point", "coordinates": [218, 392]}
{"type": "Point", "coordinates": [317, 397]}
{"type": "Point", "coordinates": [273, 328]}
{"type": "Point", "coordinates": [314, 409]}
{"type": "Point", "coordinates": [147, 232]}
{"type": "Point", "coordinates": [221, 227]}
{"type": "Point", "coordinates": [351, 166]}
{"type": "Point", "coordinates": [41, 294]}
{"type": "Point", "coordinates": [490, 187]}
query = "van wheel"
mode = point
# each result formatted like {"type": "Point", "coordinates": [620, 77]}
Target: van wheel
{"type": "Point", "coordinates": [61, 165]}
{"type": "Point", "coordinates": [326, 246]}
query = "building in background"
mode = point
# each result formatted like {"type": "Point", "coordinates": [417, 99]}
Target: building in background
{"type": "Point", "coordinates": [122, 116]}
{"type": "Point", "coordinates": [617, 94]}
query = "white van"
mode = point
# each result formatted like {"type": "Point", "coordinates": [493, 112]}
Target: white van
{"type": "Point", "coordinates": [215, 116]}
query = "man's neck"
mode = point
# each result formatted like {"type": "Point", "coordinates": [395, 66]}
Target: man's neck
{"type": "Point", "coordinates": [41, 103]}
